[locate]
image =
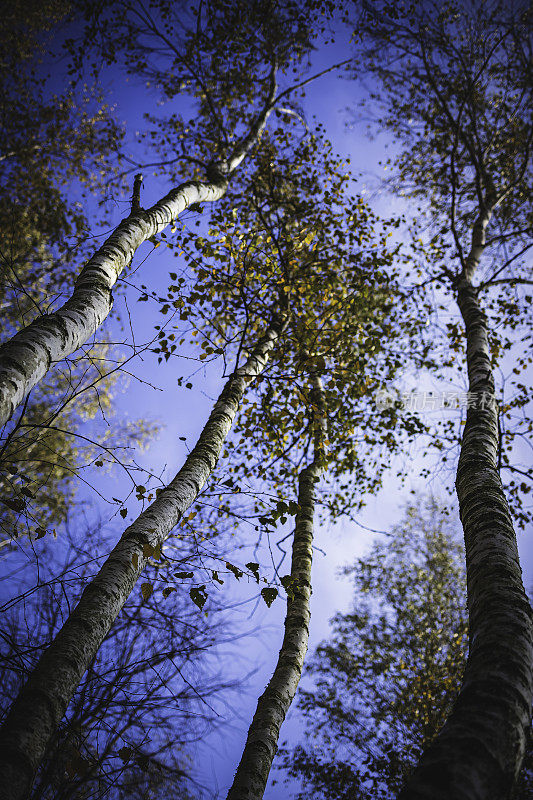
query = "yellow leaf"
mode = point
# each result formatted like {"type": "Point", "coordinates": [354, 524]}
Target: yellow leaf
{"type": "Point", "coordinates": [146, 590]}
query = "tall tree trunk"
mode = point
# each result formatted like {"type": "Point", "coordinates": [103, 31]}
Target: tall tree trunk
{"type": "Point", "coordinates": [478, 754]}
{"type": "Point", "coordinates": [28, 356]}
{"type": "Point", "coordinates": [43, 701]}
{"type": "Point", "coordinates": [262, 742]}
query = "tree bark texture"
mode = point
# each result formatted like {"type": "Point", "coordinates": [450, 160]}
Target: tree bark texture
{"type": "Point", "coordinates": [27, 357]}
{"type": "Point", "coordinates": [478, 753]}
{"type": "Point", "coordinates": [42, 702]}
{"type": "Point", "coordinates": [262, 741]}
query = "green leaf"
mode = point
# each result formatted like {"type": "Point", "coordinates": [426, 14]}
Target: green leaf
{"type": "Point", "coordinates": [269, 595]}
{"type": "Point", "coordinates": [289, 584]}
{"type": "Point", "coordinates": [182, 575]}
{"type": "Point", "coordinates": [199, 596]}
{"type": "Point", "coordinates": [236, 571]}
{"type": "Point", "coordinates": [253, 567]}
{"type": "Point", "coordinates": [152, 551]}
{"type": "Point", "coordinates": [168, 590]}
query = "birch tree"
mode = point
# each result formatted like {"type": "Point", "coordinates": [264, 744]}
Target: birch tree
{"type": "Point", "coordinates": [47, 142]}
{"type": "Point", "coordinates": [280, 237]}
{"type": "Point", "coordinates": [262, 741]}
{"type": "Point", "coordinates": [381, 687]}
{"type": "Point", "coordinates": [146, 697]}
{"type": "Point", "coordinates": [454, 88]}
{"type": "Point", "coordinates": [265, 42]}
{"type": "Point", "coordinates": [272, 272]}
{"type": "Point", "coordinates": [341, 280]}
{"type": "Point", "coordinates": [43, 700]}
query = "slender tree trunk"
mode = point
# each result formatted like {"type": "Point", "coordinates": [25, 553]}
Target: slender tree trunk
{"type": "Point", "coordinates": [262, 742]}
{"type": "Point", "coordinates": [478, 754]}
{"type": "Point", "coordinates": [28, 356]}
{"type": "Point", "coordinates": [43, 701]}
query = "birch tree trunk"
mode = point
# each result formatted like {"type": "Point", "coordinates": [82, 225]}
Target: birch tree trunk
{"type": "Point", "coordinates": [478, 754]}
{"type": "Point", "coordinates": [262, 741]}
{"type": "Point", "coordinates": [43, 701]}
{"type": "Point", "coordinates": [28, 356]}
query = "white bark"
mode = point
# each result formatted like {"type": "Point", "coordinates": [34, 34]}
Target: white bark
{"type": "Point", "coordinates": [262, 742]}
{"type": "Point", "coordinates": [478, 753]}
{"type": "Point", "coordinates": [477, 246]}
{"type": "Point", "coordinates": [28, 356]}
{"type": "Point", "coordinates": [43, 701]}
